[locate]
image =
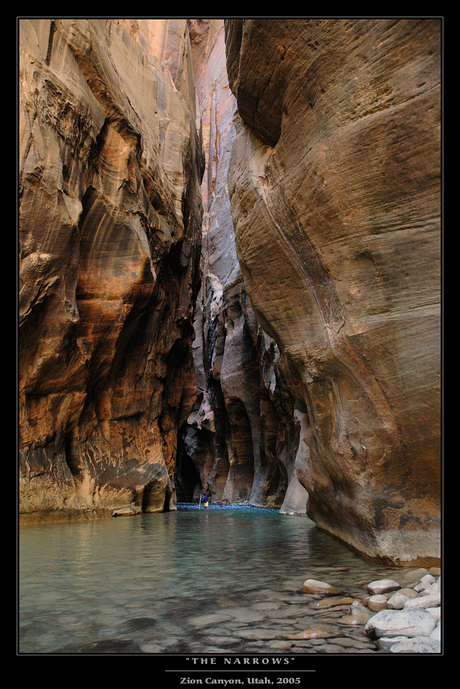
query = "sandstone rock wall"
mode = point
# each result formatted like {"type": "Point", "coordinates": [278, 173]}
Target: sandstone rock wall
{"type": "Point", "coordinates": [311, 361]}
{"type": "Point", "coordinates": [110, 236]}
{"type": "Point", "coordinates": [335, 195]}
{"type": "Point", "coordinates": [242, 436]}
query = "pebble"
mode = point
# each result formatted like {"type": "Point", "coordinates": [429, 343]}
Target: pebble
{"type": "Point", "coordinates": [333, 602]}
{"type": "Point", "coordinates": [358, 615]}
{"type": "Point", "coordinates": [212, 618]}
{"type": "Point", "coordinates": [400, 615]}
{"type": "Point", "coordinates": [320, 631]}
{"type": "Point", "coordinates": [383, 586]}
{"type": "Point", "coordinates": [397, 600]}
{"type": "Point", "coordinates": [376, 603]}
{"type": "Point", "coordinates": [315, 586]}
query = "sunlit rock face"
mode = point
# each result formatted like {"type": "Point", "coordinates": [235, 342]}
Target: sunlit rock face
{"type": "Point", "coordinates": [335, 194]}
{"type": "Point", "coordinates": [110, 235]}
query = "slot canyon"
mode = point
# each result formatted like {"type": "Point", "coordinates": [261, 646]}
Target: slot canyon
{"type": "Point", "coordinates": [230, 272]}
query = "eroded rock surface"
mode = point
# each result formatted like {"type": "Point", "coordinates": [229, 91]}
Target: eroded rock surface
{"type": "Point", "coordinates": [335, 194]}
{"type": "Point", "coordinates": [244, 433]}
{"type": "Point", "coordinates": [110, 235]}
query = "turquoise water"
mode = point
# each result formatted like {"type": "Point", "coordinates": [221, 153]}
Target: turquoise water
{"type": "Point", "coordinates": [186, 581]}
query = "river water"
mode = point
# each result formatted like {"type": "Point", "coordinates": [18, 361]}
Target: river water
{"type": "Point", "coordinates": [202, 581]}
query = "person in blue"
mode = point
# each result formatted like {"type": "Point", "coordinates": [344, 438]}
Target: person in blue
{"type": "Point", "coordinates": [206, 500]}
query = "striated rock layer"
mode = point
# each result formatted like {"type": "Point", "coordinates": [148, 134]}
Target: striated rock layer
{"type": "Point", "coordinates": [110, 235]}
{"type": "Point", "coordinates": [241, 439]}
{"type": "Point", "coordinates": [335, 195]}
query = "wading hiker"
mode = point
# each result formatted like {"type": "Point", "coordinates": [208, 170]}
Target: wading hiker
{"type": "Point", "coordinates": [206, 500]}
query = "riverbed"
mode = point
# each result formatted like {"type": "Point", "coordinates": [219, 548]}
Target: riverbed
{"type": "Point", "coordinates": [218, 580]}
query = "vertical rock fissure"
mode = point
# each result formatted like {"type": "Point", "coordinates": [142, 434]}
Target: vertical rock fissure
{"type": "Point", "coordinates": [241, 432]}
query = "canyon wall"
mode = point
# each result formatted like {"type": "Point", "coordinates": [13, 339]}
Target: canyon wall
{"type": "Point", "coordinates": [230, 271]}
{"type": "Point", "coordinates": [335, 194]}
{"type": "Point", "coordinates": [241, 439]}
{"type": "Point", "coordinates": [110, 165]}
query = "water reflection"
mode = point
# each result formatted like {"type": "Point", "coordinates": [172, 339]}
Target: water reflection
{"type": "Point", "coordinates": [147, 580]}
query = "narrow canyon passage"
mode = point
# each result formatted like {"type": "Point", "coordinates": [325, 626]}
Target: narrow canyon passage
{"type": "Point", "coordinates": [230, 272]}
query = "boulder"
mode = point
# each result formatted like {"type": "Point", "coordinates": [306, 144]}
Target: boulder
{"type": "Point", "coordinates": [436, 633]}
{"type": "Point", "coordinates": [385, 643]}
{"type": "Point", "coordinates": [390, 623]}
{"type": "Point", "coordinates": [416, 644]}
{"type": "Point", "coordinates": [422, 602]}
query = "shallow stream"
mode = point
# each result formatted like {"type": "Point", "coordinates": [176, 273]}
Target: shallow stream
{"type": "Point", "coordinates": [222, 580]}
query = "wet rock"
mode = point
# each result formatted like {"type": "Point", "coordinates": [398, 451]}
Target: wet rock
{"type": "Point", "coordinates": [358, 615]}
{"type": "Point", "coordinates": [436, 633]}
{"type": "Point", "coordinates": [151, 648]}
{"type": "Point", "coordinates": [280, 645]}
{"type": "Point", "coordinates": [422, 602]}
{"type": "Point", "coordinates": [320, 631]}
{"type": "Point", "coordinates": [246, 615]}
{"type": "Point", "coordinates": [412, 576]}
{"type": "Point", "coordinates": [116, 646]}
{"type": "Point", "coordinates": [333, 602]}
{"type": "Point", "coordinates": [416, 644]}
{"type": "Point", "coordinates": [436, 612]}
{"type": "Point", "coordinates": [425, 583]}
{"type": "Point", "coordinates": [376, 603]}
{"type": "Point", "coordinates": [315, 586]}
{"type": "Point", "coordinates": [139, 623]}
{"type": "Point", "coordinates": [258, 634]}
{"type": "Point", "coordinates": [212, 618]}
{"type": "Point", "coordinates": [386, 642]}
{"type": "Point", "coordinates": [409, 623]}
{"type": "Point", "coordinates": [397, 601]}
{"type": "Point", "coordinates": [129, 511]}
{"type": "Point", "coordinates": [383, 586]}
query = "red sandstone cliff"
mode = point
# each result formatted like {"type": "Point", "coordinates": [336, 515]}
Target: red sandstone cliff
{"type": "Point", "coordinates": [335, 193]}
{"type": "Point", "coordinates": [110, 236]}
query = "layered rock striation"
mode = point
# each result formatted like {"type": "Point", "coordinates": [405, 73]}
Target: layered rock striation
{"type": "Point", "coordinates": [230, 270]}
{"type": "Point", "coordinates": [335, 193]}
{"type": "Point", "coordinates": [241, 439]}
{"type": "Point", "coordinates": [110, 236]}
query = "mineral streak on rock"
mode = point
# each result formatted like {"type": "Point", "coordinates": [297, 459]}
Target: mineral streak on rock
{"type": "Point", "coordinates": [244, 434]}
{"type": "Point", "coordinates": [335, 192]}
{"type": "Point", "coordinates": [311, 361]}
{"type": "Point", "coordinates": [110, 236]}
